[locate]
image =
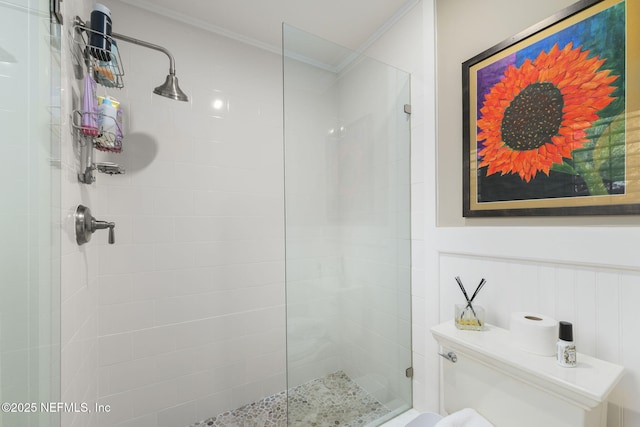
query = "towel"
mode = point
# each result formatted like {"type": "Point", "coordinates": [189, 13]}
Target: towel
{"type": "Point", "coordinates": [464, 418]}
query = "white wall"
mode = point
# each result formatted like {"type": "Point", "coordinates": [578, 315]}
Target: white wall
{"type": "Point", "coordinates": [183, 318]}
{"type": "Point", "coordinates": [583, 270]}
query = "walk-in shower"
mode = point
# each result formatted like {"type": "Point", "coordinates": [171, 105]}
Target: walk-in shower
{"type": "Point", "coordinates": [347, 209]}
{"type": "Point", "coordinates": [347, 225]}
{"type": "Point", "coordinates": [188, 319]}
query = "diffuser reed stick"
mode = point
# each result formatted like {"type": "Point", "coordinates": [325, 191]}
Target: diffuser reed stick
{"type": "Point", "coordinates": [470, 300]}
{"type": "Point", "coordinates": [480, 285]}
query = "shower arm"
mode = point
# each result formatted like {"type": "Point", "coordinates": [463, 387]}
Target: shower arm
{"type": "Point", "coordinates": [172, 62]}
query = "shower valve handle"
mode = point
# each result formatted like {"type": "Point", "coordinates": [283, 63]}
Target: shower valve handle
{"type": "Point", "coordinates": [100, 225]}
{"type": "Point", "coordinates": [86, 225]}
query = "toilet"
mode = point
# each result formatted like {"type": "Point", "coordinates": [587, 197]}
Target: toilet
{"type": "Point", "coordinates": [486, 371]}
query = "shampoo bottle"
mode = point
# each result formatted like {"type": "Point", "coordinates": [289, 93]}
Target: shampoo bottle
{"type": "Point", "coordinates": [566, 347]}
{"type": "Point", "coordinates": [99, 36]}
{"type": "Point", "coordinates": [107, 120]}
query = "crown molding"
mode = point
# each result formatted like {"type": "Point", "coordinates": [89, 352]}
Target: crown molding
{"type": "Point", "coordinates": [198, 23]}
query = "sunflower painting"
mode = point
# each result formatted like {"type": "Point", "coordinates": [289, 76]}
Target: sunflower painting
{"type": "Point", "coordinates": [547, 124]}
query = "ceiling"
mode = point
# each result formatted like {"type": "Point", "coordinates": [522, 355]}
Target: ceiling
{"type": "Point", "coordinates": [350, 23]}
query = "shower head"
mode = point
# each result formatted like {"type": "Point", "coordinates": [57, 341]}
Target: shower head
{"type": "Point", "coordinates": [170, 89]}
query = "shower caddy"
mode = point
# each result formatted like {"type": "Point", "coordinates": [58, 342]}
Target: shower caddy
{"type": "Point", "coordinates": [112, 66]}
{"type": "Point", "coordinates": [108, 74]}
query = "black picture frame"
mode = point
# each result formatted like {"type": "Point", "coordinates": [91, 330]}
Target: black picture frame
{"type": "Point", "coordinates": [530, 144]}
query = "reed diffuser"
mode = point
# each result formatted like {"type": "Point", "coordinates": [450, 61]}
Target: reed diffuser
{"type": "Point", "coordinates": [468, 316]}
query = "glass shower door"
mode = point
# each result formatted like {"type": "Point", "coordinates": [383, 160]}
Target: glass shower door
{"type": "Point", "coordinates": [29, 214]}
{"type": "Point", "coordinates": [347, 209]}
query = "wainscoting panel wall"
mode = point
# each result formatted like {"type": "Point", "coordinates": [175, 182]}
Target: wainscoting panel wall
{"type": "Point", "coordinates": [601, 303]}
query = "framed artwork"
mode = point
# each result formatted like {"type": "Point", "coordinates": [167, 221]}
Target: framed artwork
{"type": "Point", "coordinates": [551, 117]}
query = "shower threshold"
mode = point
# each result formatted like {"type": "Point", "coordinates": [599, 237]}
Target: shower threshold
{"type": "Point", "coordinates": [334, 400]}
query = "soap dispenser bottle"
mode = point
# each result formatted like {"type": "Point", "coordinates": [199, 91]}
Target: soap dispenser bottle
{"type": "Point", "coordinates": [566, 347]}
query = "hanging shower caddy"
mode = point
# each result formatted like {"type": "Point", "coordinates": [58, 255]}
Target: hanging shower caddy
{"type": "Point", "coordinates": [105, 67]}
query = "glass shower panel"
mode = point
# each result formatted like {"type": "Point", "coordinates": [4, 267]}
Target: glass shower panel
{"type": "Point", "coordinates": [347, 208]}
{"type": "Point", "coordinates": [29, 213]}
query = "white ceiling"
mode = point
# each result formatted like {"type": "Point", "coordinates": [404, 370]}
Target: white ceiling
{"type": "Point", "coordinates": [350, 23]}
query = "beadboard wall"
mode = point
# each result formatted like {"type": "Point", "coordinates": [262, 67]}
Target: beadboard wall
{"type": "Point", "coordinates": [600, 302]}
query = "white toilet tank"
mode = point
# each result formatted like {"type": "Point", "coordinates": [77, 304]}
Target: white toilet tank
{"type": "Point", "coordinates": [510, 387]}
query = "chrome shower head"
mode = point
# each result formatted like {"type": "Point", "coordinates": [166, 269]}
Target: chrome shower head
{"type": "Point", "coordinates": [170, 89]}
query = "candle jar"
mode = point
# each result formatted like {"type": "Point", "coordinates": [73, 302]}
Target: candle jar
{"type": "Point", "coordinates": [469, 317]}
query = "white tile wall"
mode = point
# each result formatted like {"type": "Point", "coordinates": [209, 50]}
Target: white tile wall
{"type": "Point", "coordinates": [183, 317]}
{"type": "Point", "coordinates": [79, 281]}
{"type": "Point", "coordinates": [194, 289]}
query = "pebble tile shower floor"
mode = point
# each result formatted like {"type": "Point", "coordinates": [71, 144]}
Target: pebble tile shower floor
{"type": "Point", "coordinates": [334, 400]}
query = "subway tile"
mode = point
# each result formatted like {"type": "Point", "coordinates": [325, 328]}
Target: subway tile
{"type": "Point", "coordinates": [274, 384]}
{"type": "Point", "coordinates": [151, 285]}
{"type": "Point", "coordinates": [152, 229]}
{"type": "Point", "coordinates": [174, 256]}
{"type": "Point", "coordinates": [190, 177]}
{"type": "Point", "coordinates": [121, 259]}
{"type": "Point", "coordinates": [154, 396]}
{"type": "Point", "coordinates": [153, 341]}
{"type": "Point", "coordinates": [120, 318]}
{"type": "Point", "coordinates": [149, 420]}
{"type": "Point", "coordinates": [178, 415]}
{"type": "Point", "coordinates": [124, 201]}
{"type": "Point", "coordinates": [242, 393]}
{"type": "Point", "coordinates": [262, 366]}
{"type": "Point", "coordinates": [193, 281]}
{"type": "Point", "coordinates": [191, 387]}
{"type": "Point", "coordinates": [121, 409]}
{"type": "Point", "coordinates": [171, 202]}
{"type": "Point", "coordinates": [126, 376]}
{"type": "Point", "coordinates": [175, 365]}
{"type": "Point", "coordinates": [220, 354]}
{"type": "Point", "coordinates": [263, 319]}
{"type": "Point", "coordinates": [115, 348]}
{"type": "Point", "coordinates": [186, 308]}
{"type": "Point", "coordinates": [212, 404]}
{"type": "Point", "coordinates": [115, 289]}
